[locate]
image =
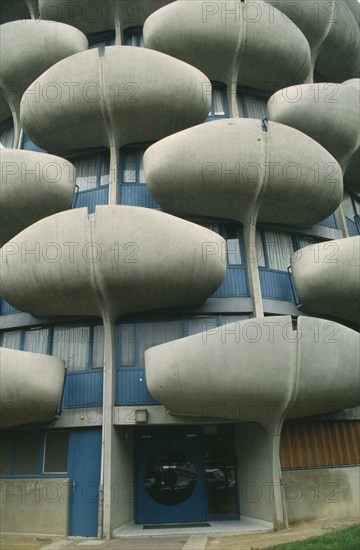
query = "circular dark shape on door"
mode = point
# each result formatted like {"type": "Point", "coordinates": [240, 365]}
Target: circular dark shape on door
{"type": "Point", "coordinates": [170, 478]}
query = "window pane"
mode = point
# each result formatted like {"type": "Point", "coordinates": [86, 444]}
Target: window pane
{"type": "Point", "coordinates": [260, 250]}
{"type": "Point", "coordinates": [6, 445]}
{"type": "Point", "coordinates": [127, 343]}
{"type": "Point", "coordinates": [233, 251]}
{"type": "Point", "coordinates": [27, 453]}
{"type": "Point", "coordinates": [279, 249]}
{"type": "Point", "coordinates": [348, 206]}
{"type": "Point", "coordinates": [153, 334]}
{"type": "Point", "coordinates": [303, 241]}
{"type": "Point", "coordinates": [130, 167]}
{"type": "Point", "coordinates": [86, 171]}
{"type": "Point", "coordinates": [11, 339]}
{"type": "Point", "coordinates": [104, 169]}
{"type": "Point", "coordinates": [56, 453]}
{"type": "Point", "coordinates": [36, 340]}
{"type": "Point", "coordinates": [72, 345]}
{"type": "Point", "coordinates": [98, 347]}
{"type": "Point", "coordinates": [218, 107]}
{"type": "Point", "coordinates": [201, 324]}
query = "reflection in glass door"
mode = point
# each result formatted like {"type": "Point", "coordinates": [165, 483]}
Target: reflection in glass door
{"type": "Point", "coordinates": [220, 465]}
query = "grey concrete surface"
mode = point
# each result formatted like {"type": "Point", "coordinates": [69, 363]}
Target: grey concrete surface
{"type": "Point", "coordinates": [28, 48]}
{"type": "Point", "coordinates": [231, 43]}
{"type": "Point", "coordinates": [32, 186]}
{"type": "Point", "coordinates": [332, 32]}
{"type": "Point", "coordinates": [327, 112]}
{"type": "Point", "coordinates": [122, 259]}
{"type": "Point", "coordinates": [327, 278]}
{"type": "Point", "coordinates": [31, 387]}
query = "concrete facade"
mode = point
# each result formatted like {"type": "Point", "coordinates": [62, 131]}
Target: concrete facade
{"type": "Point", "coordinates": [187, 283]}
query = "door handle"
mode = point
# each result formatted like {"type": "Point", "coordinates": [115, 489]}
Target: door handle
{"type": "Point", "coordinates": [73, 486]}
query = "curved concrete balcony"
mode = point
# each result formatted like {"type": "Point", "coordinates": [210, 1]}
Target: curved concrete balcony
{"type": "Point", "coordinates": [238, 47]}
{"type": "Point", "coordinates": [327, 278]}
{"type": "Point", "coordinates": [122, 259]}
{"type": "Point", "coordinates": [327, 112]}
{"type": "Point", "coordinates": [29, 48]}
{"type": "Point", "coordinates": [234, 170]}
{"type": "Point", "coordinates": [261, 370]}
{"type": "Point", "coordinates": [100, 15]}
{"type": "Point", "coordinates": [127, 95]}
{"type": "Point", "coordinates": [332, 32]}
{"type": "Point", "coordinates": [32, 186]}
{"type": "Point", "coordinates": [31, 387]}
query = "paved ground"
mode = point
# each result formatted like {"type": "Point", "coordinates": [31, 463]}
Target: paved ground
{"type": "Point", "coordinates": [243, 541]}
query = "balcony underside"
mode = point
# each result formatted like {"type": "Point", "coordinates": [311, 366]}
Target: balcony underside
{"type": "Point", "coordinates": [327, 278]}
{"type": "Point", "coordinates": [116, 99]}
{"type": "Point", "coordinates": [32, 186]}
{"type": "Point", "coordinates": [122, 259]}
{"type": "Point", "coordinates": [31, 387]}
{"type": "Point", "coordinates": [233, 168]}
{"type": "Point", "coordinates": [259, 370]}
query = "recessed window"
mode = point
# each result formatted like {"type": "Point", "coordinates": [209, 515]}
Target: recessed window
{"type": "Point", "coordinates": [11, 339]}
{"type": "Point", "coordinates": [27, 453]}
{"type": "Point", "coordinates": [133, 165]}
{"type": "Point", "coordinates": [56, 452]}
{"type": "Point", "coordinates": [36, 340]}
{"type": "Point", "coordinates": [252, 104]}
{"type": "Point", "coordinates": [134, 37]}
{"type": "Point", "coordinates": [7, 134]}
{"type": "Point", "coordinates": [92, 171]}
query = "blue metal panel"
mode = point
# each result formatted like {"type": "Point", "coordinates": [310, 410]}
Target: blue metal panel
{"type": "Point", "coordinates": [83, 389]}
{"type": "Point", "coordinates": [131, 388]}
{"type": "Point", "coordinates": [137, 194]}
{"type": "Point", "coordinates": [329, 222]}
{"type": "Point", "coordinates": [276, 285]}
{"type": "Point", "coordinates": [352, 227]}
{"type": "Point", "coordinates": [91, 198]}
{"type": "Point", "coordinates": [7, 308]}
{"type": "Point", "coordinates": [234, 284]}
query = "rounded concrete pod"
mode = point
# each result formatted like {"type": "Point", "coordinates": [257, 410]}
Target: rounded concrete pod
{"type": "Point", "coordinates": [327, 112]}
{"type": "Point", "coordinates": [31, 387]}
{"type": "Point", "coordinates": [127, 95]}
{"type": "Point", "coordinates": [100, 15]}
{"type": "Point", "coordinates": [260, 370]}
{"type": "Point", "coordinates": [242, 47]}
{"type": "Point", "coordinates": [122, 259]}
{"type": "Point", "coordinates": [32, 186]}
{"type": "Point", "coordinates": [29, 48]}
{"type": "Point", "coordinates": [332, 32]}
{"type": "Point", "coordinates": [327, 280]}
{"type": "Point", "coordinates": [232, 169]}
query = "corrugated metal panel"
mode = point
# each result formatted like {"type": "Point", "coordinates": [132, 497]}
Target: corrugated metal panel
{"type": "Point", "coordinates": [316, 444]}
{"type": "Point", "coordinates": [234, 284]}
{"type": "Point", "coordinates": [276, 285]}
{"type": "Point", "coordinates": [137, 195]}
{"type": "Point", "coordinates": [91, 198]}
{"type": "Point", "coordinates": [7, 308]}
{"type": "Point", "coordinates": [131, 388]}
{"type": "Point", "coordinates": [83, 389]}
{"type": "Point", "coordinates": [329, 222]}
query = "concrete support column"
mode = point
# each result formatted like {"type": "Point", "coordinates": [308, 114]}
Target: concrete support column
{"type": "Point", "coordinates": [252, 268]}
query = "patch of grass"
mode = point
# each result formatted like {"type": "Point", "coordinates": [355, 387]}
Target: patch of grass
{"type": "Point", "coordinates": [343, 539]}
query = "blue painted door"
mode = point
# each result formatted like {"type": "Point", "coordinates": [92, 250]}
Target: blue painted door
{"type": "Point", "coordinates": [170, 485]}
{"type": "Point", "coordinates": [84, 470]}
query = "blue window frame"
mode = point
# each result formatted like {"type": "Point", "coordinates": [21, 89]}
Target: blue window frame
{"type": "Point", "coordinates": [80, 345]}
{"type": "Point", "coordinates": [219, 102]}
{"type": "Point", "coordinates": [92, 180]}
{"type": "Point", "coordinates": [35, 453]}
{"type": "Point", "coordinates": [133, 36]}
{"type": "Point", "coordinates": [133, 190]}
{"type": "Point", "coordinates": [251, 103]}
